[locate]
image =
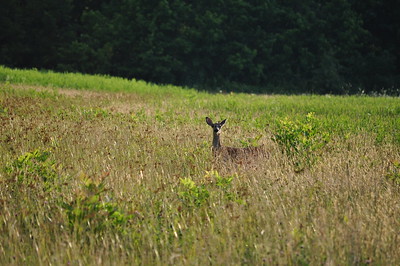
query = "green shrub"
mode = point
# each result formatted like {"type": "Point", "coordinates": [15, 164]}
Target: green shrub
{"type": "Point", "coordinates": [91, 210]}
{"type": "Point", "coordinates": [193, 195]}
{"type": "Point", "coordinates": [33, 168]}
{"type": "Point", "coordinates": [224, 184]}
{"type": "Point", "coordinates": [301, 140]}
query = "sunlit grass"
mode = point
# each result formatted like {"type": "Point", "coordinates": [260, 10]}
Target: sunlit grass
{"type": "Point", "coordinates": [121, 172]}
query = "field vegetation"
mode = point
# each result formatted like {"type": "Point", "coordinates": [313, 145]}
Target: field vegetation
{"type": "Point", "coordinates": [103, 170]}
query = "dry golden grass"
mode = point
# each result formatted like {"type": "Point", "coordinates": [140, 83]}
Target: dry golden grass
{"type": "Point", "coordinates": [342, 210]}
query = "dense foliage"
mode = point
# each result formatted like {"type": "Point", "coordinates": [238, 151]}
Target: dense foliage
{"type": "Point", "coordinates": [340, 46]}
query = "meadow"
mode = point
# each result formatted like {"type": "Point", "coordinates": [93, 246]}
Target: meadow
{"type": "Point", "coordinates": [104, 170]}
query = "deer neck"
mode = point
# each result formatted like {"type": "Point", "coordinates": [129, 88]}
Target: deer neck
{"type": "Point", "coordinates": [216, 141]}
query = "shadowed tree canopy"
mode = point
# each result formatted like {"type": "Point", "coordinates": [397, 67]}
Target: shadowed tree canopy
{"type": "Point", "coordinates": [340, 46]}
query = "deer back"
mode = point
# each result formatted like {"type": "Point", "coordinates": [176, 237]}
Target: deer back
{"type": "Point", "coordinates": [239, 153]}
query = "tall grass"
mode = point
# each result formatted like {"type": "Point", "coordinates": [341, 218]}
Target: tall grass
{"type": "Point", "coordinates": [128, 177]}
{"type": "Point", "coordinates": [342, 114]}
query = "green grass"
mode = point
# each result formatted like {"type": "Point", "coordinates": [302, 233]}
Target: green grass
{"type": "Point", "coordinates": [103, 170]}
{"type": "Point", "coordinates": [80, 81]}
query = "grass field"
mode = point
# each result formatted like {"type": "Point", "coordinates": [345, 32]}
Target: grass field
{"type": "Point", "coordinates": [102, 170]}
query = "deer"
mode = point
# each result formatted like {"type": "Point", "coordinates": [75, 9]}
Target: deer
{"type": "Point", "coordinates": [230, 152]}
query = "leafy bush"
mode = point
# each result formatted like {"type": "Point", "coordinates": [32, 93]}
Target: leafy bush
{"type": "Point", "coordinates": [301, 140]}
{"type": "Point", "coordinates": [89, 210]}
{"type": "Point", "coordinates": [192, 194]}
{"type": "Point", "coordinates": [33, 168]}
{"type": "Point", "coordinates": [224, 184]}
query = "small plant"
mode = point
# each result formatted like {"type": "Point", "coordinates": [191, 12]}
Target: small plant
{"type": "Point", "coordinates": [224, 184]}
{"type": "Point", "coordinates": [250, 142]}
{"type": "Point", "coordinates": [3, 111]}
{"type": "Point", "coordinates": [192, 194]}
{"type": "Point", "coordinates": [394, 174]}
{"type": "Point", "coordinates": [90, 208]}
{"type": "Point", "coordinates": [33, 168]}
{"type": "Point", "coordinates": [93, 113]}
{"type": "Point", "coordinates": [139, 116]}
{"type": "Point", "coordinates": [301, 140]}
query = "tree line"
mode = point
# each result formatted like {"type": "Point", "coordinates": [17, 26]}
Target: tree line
{"type": "Point", "coordinates": [332, 46]}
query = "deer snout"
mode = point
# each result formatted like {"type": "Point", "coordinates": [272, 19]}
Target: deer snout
{"type": "Point", "coordinates": [217, 130]}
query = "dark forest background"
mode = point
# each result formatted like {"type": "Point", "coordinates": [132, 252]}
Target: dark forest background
{"type": "Point", "coordinates": [333, 46]}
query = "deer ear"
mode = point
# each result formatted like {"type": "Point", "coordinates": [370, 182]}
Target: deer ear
{"type": "Point", "coordinates": [223, 122]}
{"type": "Point", "coordinates": [209, 121]}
